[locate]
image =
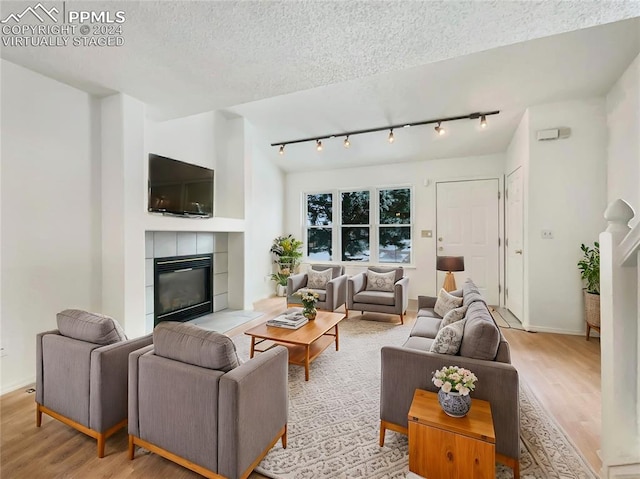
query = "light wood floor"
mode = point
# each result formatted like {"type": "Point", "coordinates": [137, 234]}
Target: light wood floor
{"type": "Point", "coordinates": [563, 371]}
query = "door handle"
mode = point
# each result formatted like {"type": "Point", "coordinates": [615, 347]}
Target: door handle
{"type": "Point", "coordinates": [440, 248]}
{"type": "Point", "coordinates": [518, 251]}
{"type": "Point", "coordinates": [440, 239]}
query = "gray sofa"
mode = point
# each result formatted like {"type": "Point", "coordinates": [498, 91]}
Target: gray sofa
{"type": "Point", "coordinates": [192, 402]}
{"type": "Point", "coordinates": [331, 298]}
{"type": "Point", "coordinates": [483, 350]}
{"type": "Point", "coordinates": [81, 373]}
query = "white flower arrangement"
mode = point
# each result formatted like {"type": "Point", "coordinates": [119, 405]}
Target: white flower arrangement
{"type": "Point", "coordinates": [309, 298]}
{"type": "Point", "coordinates": [453, 378]}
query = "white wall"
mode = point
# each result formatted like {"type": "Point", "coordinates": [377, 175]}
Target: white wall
{"type": "Point", "coordinates": [265, 215]}
{"type": "Point", "coordinates": [50, 211]}
{"type": "Point", "coordinates": [623, 121]}
{"type": "Point", "coordinates": [423, 276]}
{"type": "Point", "coordinates": [566, 193]}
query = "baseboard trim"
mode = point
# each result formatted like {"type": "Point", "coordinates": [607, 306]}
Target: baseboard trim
{"type": "Point", "coordinates": [625, 471]}
{"type": "Point", "coordinates": [9, 388]}
{"type": "Point", "coordinates": [543, 329]}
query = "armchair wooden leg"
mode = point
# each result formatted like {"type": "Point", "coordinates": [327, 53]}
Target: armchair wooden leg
{"type": "Point", "coordinates": [38, 415]}
{"type": "Point", "coordinates": [588, 330]}
{"type": "Point", "coordinates": [346, 311]}
{"type": "Point", "coordinates": [284, 438]}
{"type": "Point", "coordinates": [401, 318]}
{"type": "Point", "coordinates": [132, 448]}
{"type": "Point", "coordinates": [382, 432]}
{"type": "Point", "coordinates": [516, 470]}
{"type": "Point", "coordinates": [101, 438]}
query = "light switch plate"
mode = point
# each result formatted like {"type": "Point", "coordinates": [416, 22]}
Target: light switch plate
{"type": "Point", "coordinates": [546, 234]}
{"type": "Point", "coordinates": [427, 233]}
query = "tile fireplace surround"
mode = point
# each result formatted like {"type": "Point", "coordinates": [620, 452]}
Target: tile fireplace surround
{"type": "Point", "coordinates": [160, 244]}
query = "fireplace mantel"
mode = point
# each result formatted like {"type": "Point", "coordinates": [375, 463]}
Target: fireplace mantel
{"type": "Point", "coordinates": [217, 224]}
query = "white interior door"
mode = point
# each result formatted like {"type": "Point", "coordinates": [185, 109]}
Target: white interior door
{"type": "Point", "coordinates": [514, 245]}
{"type": "Point", "coordinates": [468, 225]}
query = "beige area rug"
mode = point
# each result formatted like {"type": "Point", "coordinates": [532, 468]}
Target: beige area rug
{"type": "Point", "coordinates": [334, 418]}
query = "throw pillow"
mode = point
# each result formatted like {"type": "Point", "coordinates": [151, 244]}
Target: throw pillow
{"type": "Point", "coordinates": [380, 281]}
{"type": "Point", "coordinates": [318, 279]}
{"type": "Point", "coordinates": [453, 316]}
{"type": "Point", "coordinates": [446, 302]}
{"type": "Point", "coordinates": [448, 339]}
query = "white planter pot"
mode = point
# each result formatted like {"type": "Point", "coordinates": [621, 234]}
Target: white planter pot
{"type": "Point", "coordinates": [281, 290]}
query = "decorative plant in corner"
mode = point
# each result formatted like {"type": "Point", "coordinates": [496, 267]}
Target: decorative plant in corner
{"type": "Point", "coordinates": [287, 251]}
{"type": "Point", "coordinates": [589, 267]}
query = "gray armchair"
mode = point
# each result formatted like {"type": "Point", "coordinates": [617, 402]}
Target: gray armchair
{"type": "Point", "coordinates": [365, 297]}
{"type": "Point", "coordinates": [192, 402]}
{"type": "Point", "coordinates": [331, 297]}
{"type": "Point", "coordinates": [81, 374]}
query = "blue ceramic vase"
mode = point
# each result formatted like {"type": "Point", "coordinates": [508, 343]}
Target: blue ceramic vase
{"type": "Point", "coordinates": [454, 404]}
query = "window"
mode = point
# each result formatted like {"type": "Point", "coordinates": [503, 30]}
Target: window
{"type": "Point", "coordinates": [356, 228]}
{"type": "Point", "coordinates": [372, 226]}
{"type": "Point", "coordinates": [319, 226]}
{"type": "Point", "coordinates": [395, 226]}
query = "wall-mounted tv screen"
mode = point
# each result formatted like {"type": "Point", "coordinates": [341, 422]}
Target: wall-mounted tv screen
{"type": "Point", "coordinates": [179, 188]}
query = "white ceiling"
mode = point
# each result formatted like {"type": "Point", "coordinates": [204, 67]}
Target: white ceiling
{"type": "Point", "coordinates": [574, 65]}
{"type": "Point", "coordinates": [305, 68]}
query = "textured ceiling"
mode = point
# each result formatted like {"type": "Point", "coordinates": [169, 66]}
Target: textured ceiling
{"type": "Point", "coordinates": [187, 57]}
{"type": "Point", "coordinates": [574, 65]}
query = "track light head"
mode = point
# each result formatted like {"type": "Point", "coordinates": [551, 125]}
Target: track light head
{"type": "Point", "coordinates": [318, 145]}
{"type": "Point", "coordinates": [347, 143]}
{"type": "Point", "coordinates": [281, 149]}
{"type": "Point", "coordinates": [483, 121]}
{"type": "Point", "coordinates": [440, 129]}
{"type": "Point", "coordinates": [391, 138]}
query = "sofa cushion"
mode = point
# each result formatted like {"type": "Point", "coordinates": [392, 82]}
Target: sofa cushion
{"type": "Point", "coordinates": [471, 293]}
{"type": "Point", "coordinates": [481, 335]}
{"type": "Point", "coordinates": [380, 281]}
{"type": "Point", "coordinates": [91, 327]}
{"type": "Point", "coordinates": [454, 315]}
{"type": "Point", "coordinates": [417, 342]}
{"type": "Point", "coordinates": [375, 297]}
{"type": "Point", "coordinates": [428, 313]}
{"type": "Point", "coordinates": [449, 338]}
{"type": "Point", "coordinates": [446, 302]}
{"type": "Point", "coordinates": [319, 279]}
{"type": "Point", "coordinates": [426, 327]}
{"type": "Point", "coordinates": [193, 345]}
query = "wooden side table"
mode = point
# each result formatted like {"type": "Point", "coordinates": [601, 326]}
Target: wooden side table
{"type": "Point", "coordinates": [442, 447]}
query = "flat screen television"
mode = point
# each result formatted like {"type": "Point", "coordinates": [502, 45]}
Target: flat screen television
{"type": "Point", "coordinates": [179, 188]}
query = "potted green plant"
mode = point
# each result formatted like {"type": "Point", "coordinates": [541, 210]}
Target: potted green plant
{"type": "Point", "coordinates": [589, 267]}
{"type": "Point", "coordinates": [287, 252]}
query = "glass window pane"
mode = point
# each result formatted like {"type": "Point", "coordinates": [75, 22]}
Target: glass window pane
{"type": "Point", "coordinates": [355, 244]}
{"type": "Point", "coordinates": [395, 244]}
{"type": "Point", "coordinates": [319, 244]}
{"type": "Point", "coordinates": [319, 209]}
{"type": "Point", "coordinates": [355, 208]}
{"type": "Point", "coordinates": [395, 206]}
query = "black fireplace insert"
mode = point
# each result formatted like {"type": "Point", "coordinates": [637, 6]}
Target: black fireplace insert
{"type": "Point", "coordinates": [183, 287]}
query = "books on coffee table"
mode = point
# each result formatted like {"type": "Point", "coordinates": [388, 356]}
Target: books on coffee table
{"type": "Point", "coordinates": [289, 320]}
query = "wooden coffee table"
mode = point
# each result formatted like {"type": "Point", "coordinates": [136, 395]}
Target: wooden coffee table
{"type": "Point", "coordinates": [306, 343]}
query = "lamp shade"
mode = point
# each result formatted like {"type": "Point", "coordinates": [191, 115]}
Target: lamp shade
{"type": "Point", "coordinates": [450, 263]}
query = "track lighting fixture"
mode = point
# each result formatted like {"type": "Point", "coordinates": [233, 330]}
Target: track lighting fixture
{"type": "Point", "coordinates": [437, 121]}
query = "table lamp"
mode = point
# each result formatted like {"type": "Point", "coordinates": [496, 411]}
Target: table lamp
{"type": "Point", "coordinates": [449, 264]}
